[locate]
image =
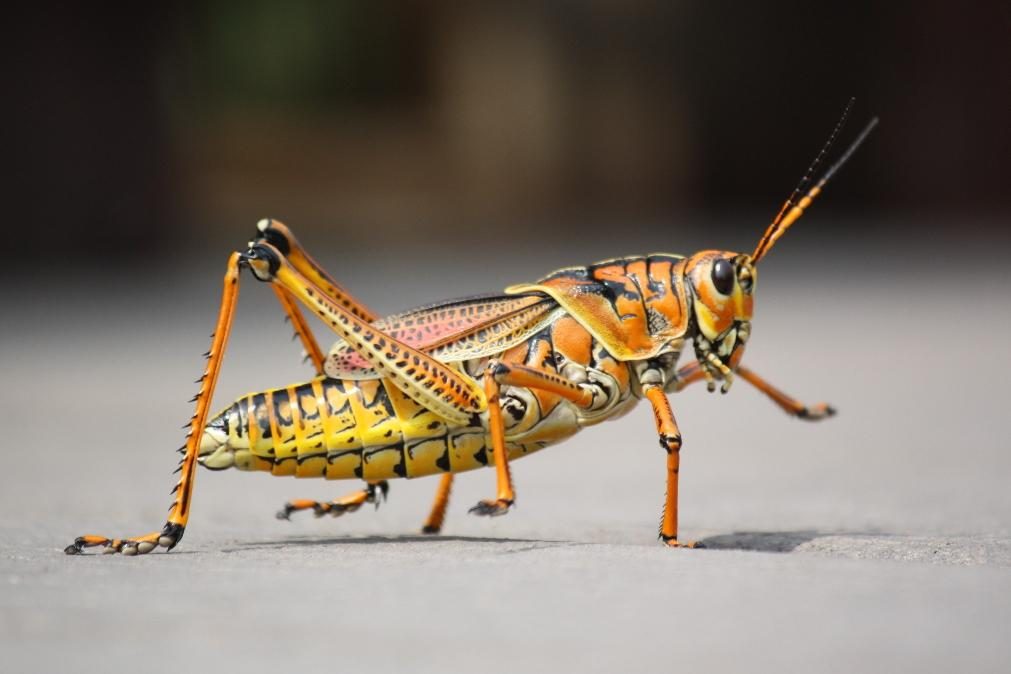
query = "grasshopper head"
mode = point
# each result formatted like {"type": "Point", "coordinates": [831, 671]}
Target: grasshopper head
{"type": "Point", "coordinates": [723, 285]}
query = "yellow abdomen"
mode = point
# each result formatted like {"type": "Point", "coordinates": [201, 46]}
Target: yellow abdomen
{"type": "Point", "coordinates": [338, 429]}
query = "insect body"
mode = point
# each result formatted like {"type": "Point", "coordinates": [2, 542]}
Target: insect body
{"type": "Point", "coordinates": [476, 382]}
{"type": "Point", "coordinates": [353, 423]}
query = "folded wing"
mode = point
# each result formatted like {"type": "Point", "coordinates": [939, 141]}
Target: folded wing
{"type": "Point", "coordinates": [454, 330]}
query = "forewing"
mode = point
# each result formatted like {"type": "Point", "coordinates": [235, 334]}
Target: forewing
{"type": "Point", "coordinates": [455, 330]}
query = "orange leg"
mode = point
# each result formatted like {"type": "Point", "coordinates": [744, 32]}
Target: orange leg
{"type": "Point", "coordinates": [172, 532]}
{"type": "Point", "coordinates": [312, 350]}
{"type": "Point", "coordinates": [433, 524]}
{"type": "Point", "coordinates": [278, 235]}
{"type": "Point", "coordinates": [670, 440]}
{"type": "Point", "coordinates": [346, 504]}
{"type": "Point", "coordinates": [789, 405]}
{"type": "Point", "coordinates": [690, 374]}
{"type": "Point", "coordinates": [433, 384]}
{"type": "Point", "coordinates": [497, 374]}
{"type": "Point", "coordinates": [693, 372]}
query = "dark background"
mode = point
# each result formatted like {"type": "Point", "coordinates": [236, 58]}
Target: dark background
{"type": "Point", "coordinates": [134, 133]}
{"type": "Point", "coordinates": [424, 150]}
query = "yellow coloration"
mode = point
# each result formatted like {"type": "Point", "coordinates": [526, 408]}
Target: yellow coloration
{"type": "Point", "coordinates": [381, 464]}
{"type": "Point", "coordinates": [369, 431]}
{"type": "Point", "coordinates": [344, 466]}
{"type": "Point", "coordinates": [365, 429]}
{"type": "Point", "coordinates": [464, 449]}
{"type": "Point", "coordinates": [436, 386]}
{"type": "Point", "coordinates": [707, 320]}
{"type": "Point", "coordinates": [422, 456]}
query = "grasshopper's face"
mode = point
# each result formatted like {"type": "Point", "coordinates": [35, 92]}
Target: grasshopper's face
{"type": "Point", "coordinates": [723, 284]}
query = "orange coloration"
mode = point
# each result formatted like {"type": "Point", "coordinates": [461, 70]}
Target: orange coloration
{"type": "Point", "coordinates": [635, 307]}
{"type": "Point", "coordinates": [571, 340]}
{"type": "Point", "coordinates": [453, 331]}
{"type": "Point", "coordinates": [179, 513]}
{"type": "Point", "coordinates": [301, 327]}
{"type": "Point", "coordinates": [428, 390]}
{"type": "Point", "coordinates": [433, 524]}
{"type": "Point", "coordinates": [181, 508]}
{"type": "Point", "coordinates": [515, 374]}
{"type": "Point", "coordinates": [277, 234]}
{"type": "Point", "coordinates": [628, 305]}
{"type": "Point", "coordinates": [670, 440]}
{"type": "Point", "coordinates": [496, 429]}
{"type": "Point", "coordinates": [786, 403]}
{"type": "Point", "coordinates": [431, 383]}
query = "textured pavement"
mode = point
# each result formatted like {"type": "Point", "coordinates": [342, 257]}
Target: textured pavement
{"type": "Point", "coordinates": [879, 540]}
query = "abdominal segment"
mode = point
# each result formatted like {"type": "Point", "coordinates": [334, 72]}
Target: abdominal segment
{"type": "Point", "coordinates": [338, 429]}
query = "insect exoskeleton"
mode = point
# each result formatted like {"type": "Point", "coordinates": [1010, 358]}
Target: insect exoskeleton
{"type": "Point", "coordinates": [475, 382]}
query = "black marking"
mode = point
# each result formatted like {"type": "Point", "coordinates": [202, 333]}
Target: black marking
{"type": "Point", "coordinates": [174, 532]}
{"type": "Point", "coordinates": [481, 456]}
{"type": "Point", "coordinates": [275, 239]}
{"type": "Point", "coordinates": [282, 413]}
{"type": "Point", "coordinates": [302, 393]}
{"type": "Point", "coordinates": [442, 463]}
{"type": "Point", "coordinates": [260, 415]}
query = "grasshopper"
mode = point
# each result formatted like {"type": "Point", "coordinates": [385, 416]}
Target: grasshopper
{"type": "Point", "coordinates": [480, 381]}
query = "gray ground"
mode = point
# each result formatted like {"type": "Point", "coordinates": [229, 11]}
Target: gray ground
{"type": "Point", "coordinates": [877, 541]}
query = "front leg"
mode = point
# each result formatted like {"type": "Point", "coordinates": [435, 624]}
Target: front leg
{"type": "Point", "coordinates": [670, 440]}
{"type": "Point", "coordinates": [787, 403]}
{"type": "Point", "coordinates": [694, 372]}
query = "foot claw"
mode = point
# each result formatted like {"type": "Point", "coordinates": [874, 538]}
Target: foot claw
{"type": "Point", "coordinates": [675, 543]}
{"type": "Point", "coordinates": [491, 508]}
{"type": "Point", "coordinates": [167, 538]}
{"type": "Point", "coordinates": [817, 412]}
{"type": "Point", "coordinates": [429, 530]}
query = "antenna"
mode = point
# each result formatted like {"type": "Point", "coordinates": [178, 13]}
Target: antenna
{"type": "Point", "coordinates": [783, 222]}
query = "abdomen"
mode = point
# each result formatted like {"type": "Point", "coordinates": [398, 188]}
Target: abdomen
{"type": "Point", "coordinates": [342, 429]}
{"type": "Point", "coordinates": [334, 429]}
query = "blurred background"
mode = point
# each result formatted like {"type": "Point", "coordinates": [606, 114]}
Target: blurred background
{"type": "Point", "coordinates": [442, 123]}
{"type": "Point", "coordinates": [427, 149]}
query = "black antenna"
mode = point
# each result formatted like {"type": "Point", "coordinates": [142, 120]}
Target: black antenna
{"type": "Point", "coordinates": [849, 151]}
{"type": "Point", "coordinates": [777, 230]}
{"type": "Point", "coordinates": [806, 180]}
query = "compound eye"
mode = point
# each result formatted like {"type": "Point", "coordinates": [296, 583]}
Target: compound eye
{"type": "Point", "coordinates": [723, 276]}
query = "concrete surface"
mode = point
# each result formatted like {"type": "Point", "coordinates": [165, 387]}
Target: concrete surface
{"type": "Point", "coordinates": [876, 541]}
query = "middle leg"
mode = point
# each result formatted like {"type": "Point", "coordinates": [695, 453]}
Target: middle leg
{"type": "Point", "coordinates": [373, 493]}
{"type": "Point", "coordinates": [694, 372]}
{"type": "Point", "coordinates": [498, 374]}
{"type": "Point", "coordinates": [670, 441]}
